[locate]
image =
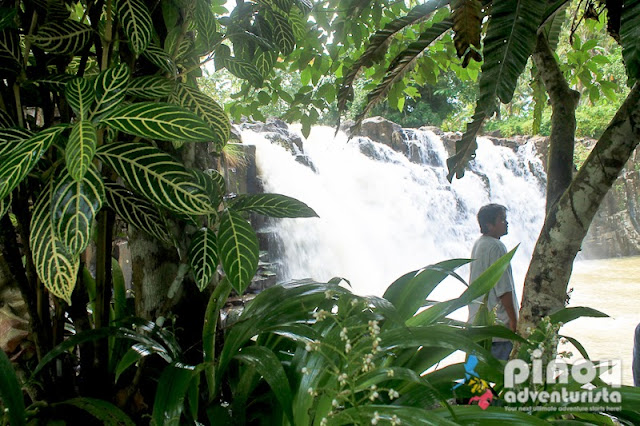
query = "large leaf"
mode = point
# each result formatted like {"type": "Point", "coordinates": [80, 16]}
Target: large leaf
{"type": "Point", "coordinates": [65, 37]}
{"type": "Point", "coordinates": [408, 293]}
{"type": "Point", "coordinates": [5, 205]}
{"type": "Point", "coordinates": [629, 36]}
{"type": "Point", "coordinates": [11, 138]}
{"type": "Point", "coordinates": [6, 120]}
{"type": "Point", "coordinates": [467, 24]}
{"type": "Point", "coordinates": [466, 147]}
{"type": "Point", "coordinates": [7, 17]}
{"type": "Point", "coordinates": [55, 266]}
{"type": "Point", "coordinates": [170, 393]}
{"type": "Point", "coordinates": [18, 163]}
{"type": "Point", "coordinates": [207, 26]}
{"type": "Point", "coordinates": [110, 88]}
{"type": "Point", "coordinates": [273, 205]}
{"type": "Point", "coordinates": [81, 148]}
{"type": "Point", "coordinates": [203, 256]}
{"type": "Point", "coordinates": [159, 177]}
{"type": "Point", "coordinates": [137, 211]}
{"type": "Point", "coordinates": [11, 392]}
{"type": "Point", "coordinates": [470, 414]}
{"type": "Point", "coordinates": [160, 121]}
{"type": "Point", "coordinates": [479, 287]}
{"type": "Point", "coordinates": [161, 59]}
{"type": "Point", "coordinates": [238, 250]}
{"type": "Point", "coordinates": [510, 39]}
{"type": "Point", "coordinates": [207, 109]}
{"type": "Point", "coordinates": [264, 61]}
{"type": "Point", "coordinates": [136, 22]}
{"type": "Point", "coordinates": [10, 56]}
{"type": "Point", "coordinates": [269, 367]}
{"type": "Point", "coordinates": [282, 32]}
{"type": "Point", "coordinates": [212, 315]}
{"type": "Point", "coordinates": [151, 87]}
{"type": "Point", "coordinates": [74, 205]}
{"type": "Point", "coordinates": [244, 70]}
{"type": "Point", "coordinates": [402, 64]}
{"type": "Point", "coordinates": [378, 44]}
{"type": "Point", "coordinates": [107, 413]}
{"type": "Point", "coordinates": [79, 94]}
{"type": "Point", "coordinates": [566, 315]}
{"type": "Point", "coordinates": [388, 414]}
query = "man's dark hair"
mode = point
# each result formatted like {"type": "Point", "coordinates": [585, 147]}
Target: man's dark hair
{"type": "Point", "coordinates": [488, 214]}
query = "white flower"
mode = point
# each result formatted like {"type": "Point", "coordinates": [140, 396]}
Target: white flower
{"type": "Point", "coordinates": [335, 403]}
{"type": "Point", "coordinates": [390, 373]}
{"type": "Point", "coordinates": [395, 420]}
{"type": "Point", "coordinates": [347, 347]}
{"type": "Point", "coordinates": [328, 294]}
{"type": "Point", "coordinates": [312, 392]}
{"type": "Point", "coordinates": [320, 315]}
{"type": "Point", "coordinates": [343, 333]}
{"type": "Point", "coordinates": [393, 394]}
{"type": "Point", "coordinates": [374, 395]}
{"type": "Point", "coordinates": [323, 422]}
{"type": "Point", "coordinates": [305, 370]}
{"type": "Point", "coordinates": [376, 418]}
{"type": "Point", "coordinates": [374, 329]}
{"type": "Point", "coordinates": [342, 378]}
{"type": "Point", "coordinates": [354, 302]}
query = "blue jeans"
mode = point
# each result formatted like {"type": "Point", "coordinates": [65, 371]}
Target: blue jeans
{"type": "Point", "coordinates": [635, 366]}
{"type": "Point", "coordinates": [501, 350]}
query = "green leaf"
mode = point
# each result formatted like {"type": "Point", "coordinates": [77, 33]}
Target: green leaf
{"type": "Point", "coordinates": [10, 55]}
{"type": "Point", "coordinates": [366, 414]}
{"type": "Point", "coordinates": [151, 87]}
{"type": "Point", "coordinates": [207, 109]}
{"type": "Point", "coordinates": [207, 27]}
{"type": "Point", "coordinates": [81, 148]}
{"type": "Point", "coordinates": [213, 183]}
{"type": "Point", "coordinates": [629, 36]}
{"type": "Point", "coordinates": [155, 174]}
{"type": "Point", "coordinates": [479, 287]}
{"type": "Point", "coordinates": [6, 120]}
{"type": "Point", "coordinates": [56, 83]}
{"type": "Point", "coordinates": [160, 121]}
{"type": "Point", "coordinates": [136, 22]}
{"type": "Point", "coordinates": [7, 17]}
{"type": "Point", "coordinates": [15, 166]}
{"type": "Point", "coordinates": [65, 37]}
{"type": "Point", "coordinates": [273, 205]}
{"type": "Point", "coordinates": [110, 88]}
{"type": "Point", "coordinates": [133, 355]}
{"type": "Point", "coordinates": [159, 58]}
{"type": "Point", "coordinates": [107, 413]}
{"type": "Point", "coordinates": [203, 257]}
{"type": "Point", "coordinates": [264, 61]}
{"type": "Point", "coordinates": [5, 205]}
{"type": "Point", "coordinates": [172, 387]}
{"type": "Point", "coordinates": [466, 147]}
{"type": "Point", "coordinates": [469, 414]}
{"type": "Point", "coordinates": [244, 70]}
{"type": "Point", "coordinates": [269, 367]}
{"type": "Point", "coordinates": [79, 94]}
{"type": "Point", "coordinates": [55, 266]}
{"type": "Point", "coordinates": [409, 292]}
{"type": "Point", "coordinates": [238, 249]}
{"type": "Point", "coordinates": [137, 211]}
{"type": "Point", "coordinates": [510, 39]}
{"type": "Point", "coordinates": [11, 138]}
{"type": "Point", "coordinates": [11, 392]}
{"type": "Point", "coordinates": [566, 315]}
{"type": "Point", "coordinates": [75, 205]}
{"type": "Point", "coordinates": [282, 32]}
{"type": "Point", "coordinates": [212, 316]}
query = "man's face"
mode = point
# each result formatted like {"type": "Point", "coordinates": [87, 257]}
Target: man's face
{"type": "Point", "coordinates": [500, 227]}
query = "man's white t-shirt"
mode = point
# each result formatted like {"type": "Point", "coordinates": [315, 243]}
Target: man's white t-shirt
{"type": "Point", "coordinates": [486, 251]}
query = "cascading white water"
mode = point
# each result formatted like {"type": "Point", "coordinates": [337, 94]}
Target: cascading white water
{"type": "Point", "coordinates": [382, 215]}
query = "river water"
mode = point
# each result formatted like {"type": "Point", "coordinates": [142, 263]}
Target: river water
{"type": "Point", "coordinates": [382, 215]}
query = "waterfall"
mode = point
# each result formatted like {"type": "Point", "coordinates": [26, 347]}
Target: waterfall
{"type": "Point", "coordinates": [384, 213]}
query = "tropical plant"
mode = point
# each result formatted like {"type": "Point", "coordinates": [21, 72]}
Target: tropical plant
{"type": "Point", "coordinates": [102, 122]}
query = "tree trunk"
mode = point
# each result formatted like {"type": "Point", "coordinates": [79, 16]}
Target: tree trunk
{"type": "Point", "coordinates": [568, 220]}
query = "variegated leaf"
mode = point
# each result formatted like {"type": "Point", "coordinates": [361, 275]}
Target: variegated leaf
{"type": "Point", "coordinates": [10, 56]}
{"type": "Point", "coordinates": [80, 95]}
{"type": "Point", "coordinates": [203, 257]}
{"type": "Point", "coordinates": [207, 109]}
{"type": "Point", "coordinates": [81, 148]}
{"type": "Point", "coordinates": [12, 137]}
{"type": "Point", "coordinates": [244, 70]}
{"type": "Point", "coordinates": [282, 33]}
{"type": "Point", "coordinates": [207, 27]}
{"type": "Point", "coordinates": [176, 45]}
{"type": "Point", "coordinates": [218, 179]}
{"type": "Point", "coordinates": [136, 22]}
{"type": "Point", "coordinates": [298, 23]}
{"type": "Point", "coordinates": [160, 121]}
{"type": "Point", "coordinates": [151, 87]}
{"type": "Point", "coordinates": [18, 163]}
{"type": "Point", "coordinates": [56, 268]}
{"type": "Point", "coordinates": [273, 205]}
{"type": "Point", "coordinates": [210, 185]}
{"type": "Point", "coordinates": [56, 83]}
{"type": "Point", "coordinates": [159, 58]}
{"type": "Point", "coordinates": [136, 211]}
{"type": "Point", "coordinates": [74, 206]}
{"type": "Point", "coordinates": [157, 176]}
{"type": "Point", "coordinates": [5, 204]}
{"type": "Point", "coordinates": [7, 17]}
{"type": "Point", "coordinates": [264, 61]}
{"type": "Point", "coordinates": [65, 37]}
{"type": "Point", "coordinates": [238, 250]}
{"type": "Point", "coordinates": [110, 88]}
{"type": "Point", "coordinates": [629, 33]}
{"type": "Point", "coordinates": [6, 120]}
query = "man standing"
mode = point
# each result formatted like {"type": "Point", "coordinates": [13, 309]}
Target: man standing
{"type": "Point", "coordinates": [492, 219]}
